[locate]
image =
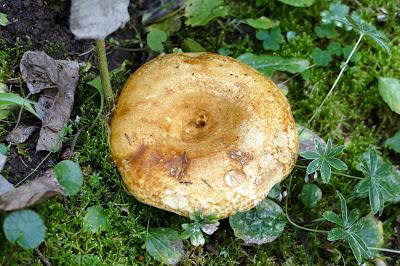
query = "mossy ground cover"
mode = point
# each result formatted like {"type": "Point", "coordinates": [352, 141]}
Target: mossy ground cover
{"type": "Point", "coordinates": [355, 115]}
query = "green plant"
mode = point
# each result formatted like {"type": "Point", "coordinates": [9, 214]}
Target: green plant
{"type": "Point", "coordinates": [323, 159]}
{"type": "Point", "coordinates": [348, 228]}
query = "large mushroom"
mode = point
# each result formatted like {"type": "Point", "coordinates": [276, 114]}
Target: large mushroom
{"type": "Point", "coordinates": [202, 132]}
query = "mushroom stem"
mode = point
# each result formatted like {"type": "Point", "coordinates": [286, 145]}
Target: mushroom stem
{"type": "Point", "coordinates": [104, 74]}
{"type": "Point", "coordinates": [342, 69]}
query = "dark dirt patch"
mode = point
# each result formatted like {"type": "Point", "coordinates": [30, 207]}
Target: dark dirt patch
{"type": "Point", "coordinates": [44, 26]}
{"type": "Point", "coordinates": [37, 26]}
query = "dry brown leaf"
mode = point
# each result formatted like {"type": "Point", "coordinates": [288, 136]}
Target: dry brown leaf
{"type": "Point", "coordinates": [41, 72]}
{"type": "Point", "coordinates": [36, 191]}
{"type": "Point", "coordinates": [20, 134]}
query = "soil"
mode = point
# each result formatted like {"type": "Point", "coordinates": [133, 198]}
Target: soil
{"type": "Point", "coordinates": [44, 26]}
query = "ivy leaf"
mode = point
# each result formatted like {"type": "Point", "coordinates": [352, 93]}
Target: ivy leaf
{"type": "Point", "coordinates": [262, 224]}
{"type": "Point", "coordinates": [165, 245]}
{"type": "Point", "coordinates": [69, 175]}
{"type": "Point", "coordinates": [25, 228]}
{"type": "Point", "coordinates": [321, 58]}
{"type": "Point", "coordinates": [155, 40]}
{"type": "Point", "coordinates": [393, 143]}
{"type": "Point", "coordinates": [389, 89]}
{"type": "Point", "coordinates": [268, 64]}
{"type": "Point", "coordinates": [298, 3]}
{"type": "Point", "coordinates": [348, 227]}
{"type": "Point", "coordinates": [310, 195]}
{"type": "Point", "coordinates": [323, 159]}
{"type": "Point", "coordinates": [200, 12]}
{"type": "Point", "coordinates": [271, 38]}
{"type": "Point", "coordinates": [95, 219]}
{"type": "Point", "coordinates": [261, 23]}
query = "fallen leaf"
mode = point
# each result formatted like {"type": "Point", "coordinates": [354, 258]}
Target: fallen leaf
{"type": "Point", "coordinates": [20, 134]}
{"type": "Point", "coordinates": [307, 138]}
{"type": "Point", "coordinates": [95, 19]}
{"type": "Point", "coordinates": [3, 159]}
{"type": "Point", "coordinates": [41, 72]}
{"type": "Point", "coordinates": [31, 193]}
{"type": "Point", "coordinates": [5, 186]}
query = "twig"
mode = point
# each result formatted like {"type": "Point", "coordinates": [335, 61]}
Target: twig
{"type": "Point", "coordinates": [42, 258]}
{"type": "Point", "coordinates": [34, 170]}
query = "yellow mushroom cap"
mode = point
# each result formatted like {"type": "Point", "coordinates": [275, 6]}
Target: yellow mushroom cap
{"type": "Point", "coordinates": [202, 132]}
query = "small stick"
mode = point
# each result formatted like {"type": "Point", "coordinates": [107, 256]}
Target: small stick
{"type": "Point", "coordinates": [42, 258]}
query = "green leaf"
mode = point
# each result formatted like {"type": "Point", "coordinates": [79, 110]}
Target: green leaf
{"type": "Point", "coordinates": [25, 228]}
{"type": "Point", "coordinates": [69, 175]}
{"type": "Point", "coordinates": [165, 245]}
{"type": "Point", "coordinates": [200, 12]}
{"type": "Point", "coordinates": [376, 198]}
{"type": "Point", "coordinates": [347, 51]}
{"type": "Point", "coordinates": [393, 143]}
{"type": "Point", "coordinates": [343, 208]}
{"type": "Point", "coordinates": [325, 171]}
{"type": "Point", "coordinates": [190, 45]}
{"type": "Point", "coordinates": [298, 3]}
{"type": "Point", "coordinates": [326, 31]}
{"type": "Point", "coordinates": [314, 166]}
{"type": "Point", "coordinates": [358, 246]}
{"type": "Point", "coordinates": [353, 216]}
{"type": "Point", "coordinates": [168, 25]}
{"type": "Point", "coordinates": [271, 38]}
{"type": "Point", "coordinates": [9, 100]}
{"type": "Point", "coordinates": [261, 23]}
{"type": "Point", "coordinates": [321, 58]}
{"type": "Point", "coordinates": [371, 232]}
{"type": "Point", "coordinates": [336, 11]}
{"type": "Point", "coordinates": [3, 149]}
{"type": "Point", "coordinates": [275, 191]}
{"type": "Point", "coordinates": [262, 224]}
{"type": "Point", "coordinates": [389, 89]}
{"type": "Point", "coordinates": [366, 29]}
{"type": "Point", "coordinates": [3, 19]}
{"type": "Point", "coordinates": [268, 64]}
{"type": "Point", "coordinates": [334, 48]}
{"type": "Point", "coordinates": [310, 155]}
{"type": "Point", "coordinates": [95, 219]}
{"type": "Point", "coordinates": [310, 195]}
{"type": "Point", "coordinates": [337, 164]}
{"type": "Point", "coordinates": [337, 234]}
{"type": "Point", "coordinates": [156, 39]}
{"type": "Point", "coordinates": [333, 218]}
